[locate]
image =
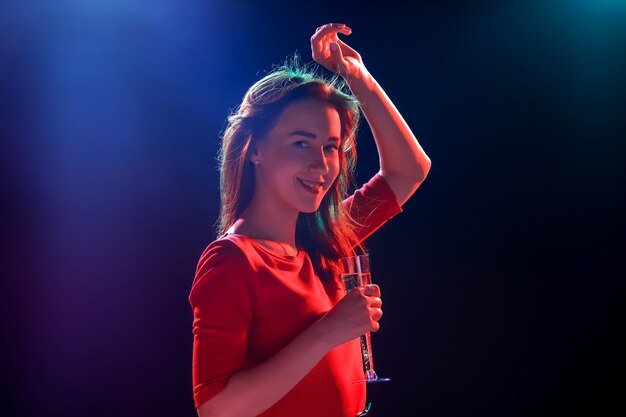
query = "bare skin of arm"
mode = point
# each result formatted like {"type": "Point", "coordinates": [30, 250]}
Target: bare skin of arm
{"type": "Point", "coordinates": [403, 162]}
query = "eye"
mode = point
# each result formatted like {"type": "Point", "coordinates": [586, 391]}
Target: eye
{"type": "Point", "coordinates": [304, 144]}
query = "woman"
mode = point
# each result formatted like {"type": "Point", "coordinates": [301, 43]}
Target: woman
{"type": "Point", "coordinates": [274, 334]}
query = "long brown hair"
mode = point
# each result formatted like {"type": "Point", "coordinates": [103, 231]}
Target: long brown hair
{"type": "Point", "coordinates": [328, 233]}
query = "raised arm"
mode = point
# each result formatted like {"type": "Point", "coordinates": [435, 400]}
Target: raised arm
{"type": "Point", "coordinates": [403, 162]}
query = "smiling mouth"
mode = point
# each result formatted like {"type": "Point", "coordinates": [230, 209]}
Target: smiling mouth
{"type": "Point", "coordinates": [313, 188]}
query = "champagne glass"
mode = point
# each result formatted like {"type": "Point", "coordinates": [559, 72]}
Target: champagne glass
{"type": "Point", "coordinates": [355, 272]}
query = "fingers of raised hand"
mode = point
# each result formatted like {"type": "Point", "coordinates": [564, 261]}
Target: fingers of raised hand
{"type": "Point", "coordinates": [330, 28]}
{"type": "Point", "coordinates": [345, 47]}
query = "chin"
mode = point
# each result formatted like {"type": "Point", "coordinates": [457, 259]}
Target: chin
{"type": "Point", "coordinates": [310, 208]}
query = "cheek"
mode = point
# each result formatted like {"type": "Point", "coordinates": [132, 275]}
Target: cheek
{"type": "Point", "coordinates": [286, 160]}
{"type": "Point", "coordinates": [291, 156]}
{"type": "Point", "coordinates": [335, 163]}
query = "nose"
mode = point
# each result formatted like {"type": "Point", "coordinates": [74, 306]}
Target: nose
{"type": "Point", "coordinates": [319, 163]}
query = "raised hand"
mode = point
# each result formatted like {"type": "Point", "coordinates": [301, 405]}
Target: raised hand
{"type": "Point", "coordinates": [334, 54]}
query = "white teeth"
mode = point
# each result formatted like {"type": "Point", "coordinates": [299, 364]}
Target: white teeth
{"type": "Point", "coordinates": [310, 184]}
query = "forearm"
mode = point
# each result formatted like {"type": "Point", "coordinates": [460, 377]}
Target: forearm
{"type": "Point", "coordinates": [252, 391]}
{"type": "Point", "coordinates": [398, 148]}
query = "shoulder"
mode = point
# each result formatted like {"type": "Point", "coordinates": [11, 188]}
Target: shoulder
{"type": "Point", "coordinates": [220, 251]}
{"type": "Point", "coordinates": [222, 263]}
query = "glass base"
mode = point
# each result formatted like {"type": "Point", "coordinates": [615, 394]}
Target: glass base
{"type": "Point", "coordinates": [365, 411]}
{"type": "Point", "coordinates": [371, 376]}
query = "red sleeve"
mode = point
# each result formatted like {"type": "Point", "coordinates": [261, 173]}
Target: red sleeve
{"type": "Point", "coordinates": [222, 300]}
{"type": "Point", "coordinates": [372, 205]}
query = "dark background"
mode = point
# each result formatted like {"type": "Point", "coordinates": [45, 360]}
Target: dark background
{"type": "Point", "coordinates": [503, 279]}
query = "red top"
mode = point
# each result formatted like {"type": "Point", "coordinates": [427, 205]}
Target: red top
{"type": "Point", "coordinates": [248, 303]}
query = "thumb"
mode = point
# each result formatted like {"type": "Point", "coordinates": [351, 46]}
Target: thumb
{"type": "Point", "coordinates": [335, 53]}
{"type": "Point", "coordinates": [371, 289]}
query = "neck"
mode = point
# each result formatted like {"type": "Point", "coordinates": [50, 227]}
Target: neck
{"type": "Point", "coordinates": [259, 222]}
{"type": "Point", "coordinates": [247, 227]}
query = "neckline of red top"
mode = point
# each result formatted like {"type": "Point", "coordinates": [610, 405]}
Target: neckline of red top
{"type": "Point", "coordinates": [266, 250]}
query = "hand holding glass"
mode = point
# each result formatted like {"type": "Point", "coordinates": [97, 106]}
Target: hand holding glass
{"type": "Point", "coordinates": [355, 272]}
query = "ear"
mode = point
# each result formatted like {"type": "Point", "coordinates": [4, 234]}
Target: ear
{"type": "Point", "coordinates": [253, 155]}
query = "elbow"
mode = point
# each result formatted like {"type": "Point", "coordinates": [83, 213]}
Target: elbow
{"type": "Point", "coordinates": [423, 170]}
{"type": "Point", "coordinates": [427, 170]}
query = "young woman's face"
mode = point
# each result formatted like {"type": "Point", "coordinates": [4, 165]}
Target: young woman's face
{"type": "Point", "coordinates": [304, 145]}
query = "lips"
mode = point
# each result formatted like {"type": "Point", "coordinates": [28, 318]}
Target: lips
{"type": "Point", "coordinates": [313, 187]}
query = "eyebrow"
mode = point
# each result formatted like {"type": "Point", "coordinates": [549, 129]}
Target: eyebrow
{"type": "Point", "coordinates": [311, 135]}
